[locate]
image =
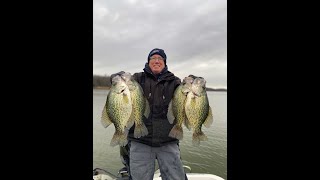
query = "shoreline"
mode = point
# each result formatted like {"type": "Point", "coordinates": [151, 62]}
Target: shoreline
{"type": "Point", "coordinates": [102, 87]}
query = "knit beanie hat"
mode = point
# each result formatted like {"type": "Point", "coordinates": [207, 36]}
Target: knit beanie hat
{"type": "Point", "coordinates": [159, 52]}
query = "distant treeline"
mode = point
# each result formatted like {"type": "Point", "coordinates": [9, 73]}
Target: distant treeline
{"type": "Point", "coordinates": [104, 82]}
{"type": "Point", "coordinates": [101, 81]}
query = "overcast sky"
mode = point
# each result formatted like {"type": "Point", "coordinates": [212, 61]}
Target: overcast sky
{"type": "Point", "coordinates": [193, 34]}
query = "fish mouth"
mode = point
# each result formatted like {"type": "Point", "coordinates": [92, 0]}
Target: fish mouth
{"type": "Point", "coordinates": [195, 93]}
{"type": "Point", "coordinates": [121, 90]}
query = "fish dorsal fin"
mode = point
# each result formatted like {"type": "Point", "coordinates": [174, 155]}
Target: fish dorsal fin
{"type": "Point", "coordinates": [105, 120]}
{"type": "Point", "coordinates": [209, 120]}
{"type": "Point", "coordinates": [170, 115]}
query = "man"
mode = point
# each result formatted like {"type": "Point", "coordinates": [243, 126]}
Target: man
{"type": "Point", "coordinates": [158, 85]}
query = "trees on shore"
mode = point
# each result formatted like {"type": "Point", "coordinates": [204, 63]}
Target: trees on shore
{"type": "Point", "coordinates": [101, 81]}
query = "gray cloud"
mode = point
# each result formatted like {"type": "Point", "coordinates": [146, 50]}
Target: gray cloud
{"type": "Point", "coordinates": [192, 33]}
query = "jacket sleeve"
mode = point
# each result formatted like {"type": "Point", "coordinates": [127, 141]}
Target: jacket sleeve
{"type": "Point", "coordinates": [137, 77]}
{"type": "Point", "coordinates": [177, 82]}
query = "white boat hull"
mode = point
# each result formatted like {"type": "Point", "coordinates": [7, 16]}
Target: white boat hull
{"type": "Point", "coordinates": [191, 176]}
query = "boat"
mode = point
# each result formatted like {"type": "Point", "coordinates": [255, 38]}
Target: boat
{"type": "Point", "coordinates": [101, 174]}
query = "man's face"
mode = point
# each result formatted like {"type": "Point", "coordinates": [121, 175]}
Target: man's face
{"type": "Point", "coordinates": [156, 64]}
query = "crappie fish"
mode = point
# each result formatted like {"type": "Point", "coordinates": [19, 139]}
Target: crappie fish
{"type": "Point", "coordinates": [176, 109]}
{"type": "Point", "coordinates": [198, 110]}
{"type": "Point", "coordinates": [140, 106]}
{"type": "Point", "coordinates": [117, 110]}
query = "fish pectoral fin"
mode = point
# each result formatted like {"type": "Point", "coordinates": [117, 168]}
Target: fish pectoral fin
{"type": "Point", "coordinates": [209, 120]}
{"type": "Point", "coordinates": [105, 120]}
{"type": "Point", "coordinates": [170, 115]}
{"type": "Point", "coordinates": [187, 124]}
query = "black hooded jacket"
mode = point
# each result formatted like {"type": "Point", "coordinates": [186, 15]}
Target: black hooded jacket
{"type": "Point", "coordinates": [159, 90]}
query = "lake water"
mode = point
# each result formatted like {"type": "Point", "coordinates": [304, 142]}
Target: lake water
{"type": "Point", "coordinates": [209, 157]}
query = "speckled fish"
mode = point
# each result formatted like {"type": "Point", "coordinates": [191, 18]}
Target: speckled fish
{"type": "Point", "coordinates": [198, 110]}
{"type": "Point", "coordinates": [176, 109]}
{"type": "Point", "coordinates": [140, 106]}
{"type": "Point", "coordinates": [117, 110]}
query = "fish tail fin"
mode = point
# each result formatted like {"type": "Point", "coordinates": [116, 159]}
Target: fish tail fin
{"type": "Point", "coordinates": [170, 115]}
{"type": "Point", "coordinates": [197, 137]}
{"type": "Point", "coordinates": [130, 123]}
{"type": "Point", "coordinates": [119, 138]}
{"type": "Point", "coordinates": [176, 132]}
{"type": "Point", "coordinates": [105, 120]}
{"type": "Point", "coordinates": [140, 130]}
{"type": "Point", "coordinates": [209, 120]}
